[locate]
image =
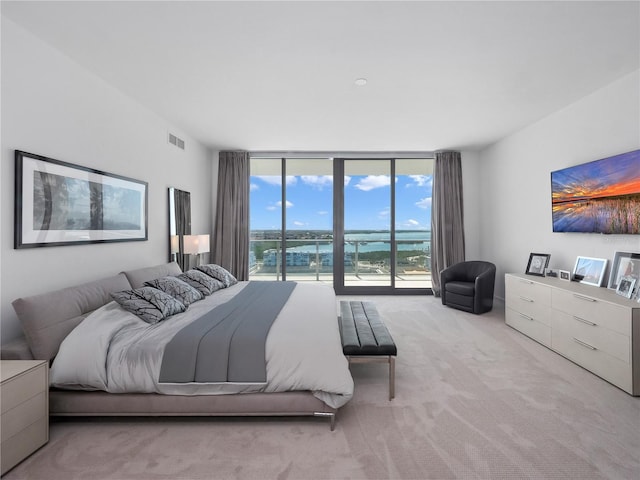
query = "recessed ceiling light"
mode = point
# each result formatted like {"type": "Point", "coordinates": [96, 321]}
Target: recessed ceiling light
{"type": "Point", "coordinates": [360, 81]}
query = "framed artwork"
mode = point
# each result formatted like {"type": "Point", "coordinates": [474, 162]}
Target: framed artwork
{"type": "Point", "coordinates": [564, 275]}
{"type": "Point", "coordinates": [625, 264]}
{"type": "Point", "coordinates": [59, 203]}
{"type": "Point", "coordinates": [626, 286]}
{"type": "Point", "coordinates": [538, 263]}
{"type": "Point", "coordinates": [590, 270]}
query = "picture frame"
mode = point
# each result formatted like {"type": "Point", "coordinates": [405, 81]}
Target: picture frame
{"type": "Point", "coordinates": [564, 275]}
{"type": "Point", "coordinates": [624, 264]}
{"type": "Point", "coordinates": [626, 286]}
{"type": "Point", "coordinates": [537, 264]}
{"type": "Point", "coordinates": [589, 270]}
{"type": "Point", "coordinates": [59, 203]}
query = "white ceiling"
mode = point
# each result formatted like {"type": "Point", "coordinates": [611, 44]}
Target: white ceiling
{"type": "Point", "coordinates": [280, 75]}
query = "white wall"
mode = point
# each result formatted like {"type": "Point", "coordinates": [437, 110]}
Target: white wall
{"type": "Point", "coordinates": [53, 107]}
{"type": "Point", "coordinates": [516, 186]}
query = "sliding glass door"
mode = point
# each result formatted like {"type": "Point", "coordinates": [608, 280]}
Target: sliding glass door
{"type": "Point", "coordinates": [365, 233]}
{"type": "Point", "coordinates": [413, 185]}
{"type": "Point", "coordinates": [382, 225]}
{"type": "Point", "coordinates": [291, 221]}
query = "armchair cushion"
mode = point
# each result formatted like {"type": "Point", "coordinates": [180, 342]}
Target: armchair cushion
{"type": "Point", "coordinates": [461, 288]}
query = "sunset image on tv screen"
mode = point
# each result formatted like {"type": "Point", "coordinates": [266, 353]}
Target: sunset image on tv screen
{"type": "Point", "coordinates": [600, 197]}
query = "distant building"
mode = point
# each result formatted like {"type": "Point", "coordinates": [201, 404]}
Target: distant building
{"type": "Point", "coordinates": [326, 259]}
{"type": "Point", "coordinates": [293, 259]}
{"type": "Point", "coordinates": [302, 259]}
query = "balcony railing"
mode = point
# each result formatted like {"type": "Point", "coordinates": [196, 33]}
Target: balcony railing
{"type": "Point", "coordinates": [365, 261]}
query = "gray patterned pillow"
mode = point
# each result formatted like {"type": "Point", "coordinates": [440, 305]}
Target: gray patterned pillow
{"type": "Point", "coordinates": [177, 289]}
{"type": "Point", "coordinates": [219, 273]}
{"type": "Point", "coordinates": [150, 304]}
{"type": "Point", "coordinates": [203, 283]}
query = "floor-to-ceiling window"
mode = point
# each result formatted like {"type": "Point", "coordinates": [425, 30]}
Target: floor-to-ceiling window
{"type": "Point", "coordinates": [413, 222]}
{"type": "Point", "coordinates": [366, 228]}
{"type": "Point", "coordinates": [361, 224]}
{"type": "Point", "coordinates": [291, 219]}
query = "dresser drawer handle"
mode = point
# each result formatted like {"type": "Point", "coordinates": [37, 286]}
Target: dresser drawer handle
{"type": "Point", "coordinates": [526, 299]}
{"type": "Point", "coordinates": [582, 297]}
{"type": "Point", "coordinates": [585, 321]}
{"type": "Point", "coordinates": [584, 344]}
{"type": "Point", "coordinates": [525, 316]}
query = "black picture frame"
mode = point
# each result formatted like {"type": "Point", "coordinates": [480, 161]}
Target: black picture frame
{"type": "Point", "coordinates": [538, 263]}
{"type": "Point", "coordinates": [60, 203]}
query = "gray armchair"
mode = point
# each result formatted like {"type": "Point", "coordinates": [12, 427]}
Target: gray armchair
{"type": "Point", "coordinates": [468, 286]}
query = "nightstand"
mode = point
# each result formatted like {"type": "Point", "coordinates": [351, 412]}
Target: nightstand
{"type": "Point", "coordinates": [24, 400]}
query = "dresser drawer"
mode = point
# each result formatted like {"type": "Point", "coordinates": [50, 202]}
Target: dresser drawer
{"type": "Point", "coordinates": [24, 443]}
{"type": "Point", "coordinates": [603, 339]}
{"type": "Point", "coordinates": [604, 314]}
{"type": "Point", "coordinates": [24, 393]}
{"type": "Point", "coordinates": [23, 386]}
{"type": "Point", "coordinates": [529, 308]}
{"type": "Point", "coordinates": [23, 415]}
{"type": "Point", "coordinates": [526, 290]}
{"type": "Point", "coordinates": [531, 327]}
{"type": "Point", "coordinates": [599, 362]}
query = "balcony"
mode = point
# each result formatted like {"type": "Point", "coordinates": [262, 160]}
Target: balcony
{"type": "Point", "coordinates": [366, 263]}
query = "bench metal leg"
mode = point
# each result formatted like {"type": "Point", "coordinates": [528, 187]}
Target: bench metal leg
{"type": "Point", "coordinates": [390, 359]}
{"type": "Point", "coordinates": [392, 377]}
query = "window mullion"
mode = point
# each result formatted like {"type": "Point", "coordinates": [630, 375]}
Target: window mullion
{"type": "Point", "coordinates": [283, 254]}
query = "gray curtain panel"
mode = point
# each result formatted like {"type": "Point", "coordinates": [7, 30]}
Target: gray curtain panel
{"type": "Point", "coordinates": [231, 234]}
{"type": "Point", "coordinates": [182, 201]}
{"type": "Point", "coordinates": [447, 221]}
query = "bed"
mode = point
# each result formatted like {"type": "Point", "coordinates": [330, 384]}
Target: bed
{"type": "Point", "coordinates": [96, 349]}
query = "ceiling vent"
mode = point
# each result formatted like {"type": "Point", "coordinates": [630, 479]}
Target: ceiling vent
{"type": "Point", "coordinates": [178, 142]}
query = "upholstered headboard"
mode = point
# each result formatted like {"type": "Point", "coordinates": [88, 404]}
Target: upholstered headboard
{"type": "Point", "coordinates": [48, 318]}
{"type": "Point", "coordinates": [138, 277]}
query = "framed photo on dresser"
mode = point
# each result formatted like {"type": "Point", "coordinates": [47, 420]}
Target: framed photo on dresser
{"type": "Point", "coordinates": [590, 271]}
{"type": "Point", "coordinates": [625, 264]}
{"type": "Point", "coordinates": [626, 287]}
{"type": "Point", "coordinates": [537, 264]}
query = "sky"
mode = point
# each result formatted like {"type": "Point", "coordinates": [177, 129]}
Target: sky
{"type": "Point", "coordinates": [612, 176]}
{"type": "Point", "coordinates": [367, 202]}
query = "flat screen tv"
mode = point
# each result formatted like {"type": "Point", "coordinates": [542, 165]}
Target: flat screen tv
{"type": "Point", "coordinates": [602, 196]}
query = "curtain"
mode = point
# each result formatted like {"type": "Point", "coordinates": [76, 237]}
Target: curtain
{"type": "Point", "coordinates": [231, 233]}
{"type": "Point", "coordinates": [447, 222]}
{"type": "Point", "coordinates": [182, 212]}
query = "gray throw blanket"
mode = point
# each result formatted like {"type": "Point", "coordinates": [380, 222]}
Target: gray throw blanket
{"type": "Point", "coordinates": [227, 344]}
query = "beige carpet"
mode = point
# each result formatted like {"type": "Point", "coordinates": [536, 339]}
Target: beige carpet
{"type": "Point", "coordinates": [474, 399]}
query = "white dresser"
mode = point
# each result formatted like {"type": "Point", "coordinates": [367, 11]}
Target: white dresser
{"type": "Point", "coordinates": [24, 396]}
{"type": "Point", "coordinates": [594, 327]}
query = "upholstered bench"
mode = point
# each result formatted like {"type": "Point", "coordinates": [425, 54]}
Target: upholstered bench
{"type": "Point", "coordinates": [365, 338]}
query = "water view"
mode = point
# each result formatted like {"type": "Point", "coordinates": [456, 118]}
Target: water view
{"type": "Point", "coordinates": [601, 215]}
{"type": "Point", "coordinates": [367, 255]}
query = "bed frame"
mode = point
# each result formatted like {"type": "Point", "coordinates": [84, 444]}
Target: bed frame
{"type": "Point", "coordinates": [48, 318]}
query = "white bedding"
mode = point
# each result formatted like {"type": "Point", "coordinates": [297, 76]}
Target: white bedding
{"type": "Point", "coordinates": [115, 351]}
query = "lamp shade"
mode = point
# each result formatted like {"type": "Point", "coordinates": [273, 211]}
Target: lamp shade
{"type": "Point", "coordinates": [175, 243]}
{"type": "Point", "coordinates": [195, 244]}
